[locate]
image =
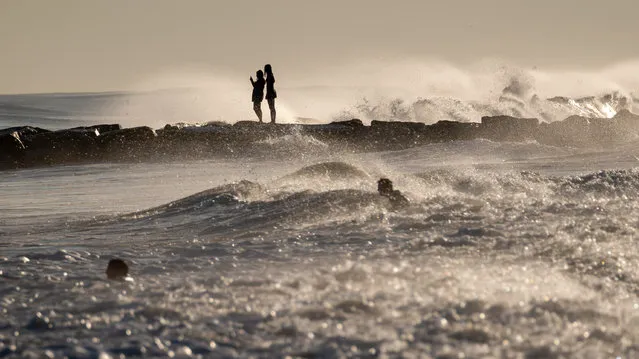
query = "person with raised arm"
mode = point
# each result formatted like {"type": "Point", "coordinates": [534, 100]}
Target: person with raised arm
{"type": "Point", "coordinates": [258, 93]}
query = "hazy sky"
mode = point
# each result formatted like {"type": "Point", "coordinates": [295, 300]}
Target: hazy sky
{"type": "Point", "coordinates": [95, 45]}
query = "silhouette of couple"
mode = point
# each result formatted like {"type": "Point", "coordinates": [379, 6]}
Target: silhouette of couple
{"type": "Point", "coordinates": [258, 92]}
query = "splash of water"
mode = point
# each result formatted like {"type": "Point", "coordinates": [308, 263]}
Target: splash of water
{"type": "Point", "coordinates": [193, 98]}
{"type": "Point", "coordinates": [409, 90]}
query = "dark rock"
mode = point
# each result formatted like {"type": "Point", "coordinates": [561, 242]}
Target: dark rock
{"type": "Point", "coordinates": [344, 134]}
{"type": "Point", "coordinates": [11, 150]}
{"type": "Point", "coordinates": [127, 144]}
{"type": "Point", "coordinates": [29, 146]}
{"type": "Point", "coordinates": [574, 121]}
{"type": "Point", "coordinates": [168, 127]}
{"type": "Point", "coordinates": [212, 128]}
{"type": "Point", "coordinates": [23, 131]}
{"type": "Point", "coordinates": [219, 139]}
{"type": "Point", "coordinates": [398, 127]}
{"type": "Point", "coordinates": [578, 131]}
{"type": "Point", "coordinates": [107, 128]}
{"type": "Point", "coordinates": [573, 131]}
{"type": "Point", "coordinates": [336, 127]}
{"type": "Point", "coordinates": [13, 153]}
{"type": "Point", "coordinates": [60, 147]}
{"type": "Point", "coordinates": [451, 131]}
{"type": "Point", "coordinates": [396, 134]}
{"type": "Point", "coordinates": [186, 143]}
{"type": "Point", "coordinates": [356, 122]}
{"type": "Point", "coordinates": [507, 128]}
{"type": "Point", "coordinates": [102, 129]}
{"type": "Point", "coordinates": [247, 132]}
{"type": "Point", "coordinates": [248, 124]}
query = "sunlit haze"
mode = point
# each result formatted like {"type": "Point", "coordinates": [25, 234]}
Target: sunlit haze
{"type": "Point", "coordinates": [76, 45]}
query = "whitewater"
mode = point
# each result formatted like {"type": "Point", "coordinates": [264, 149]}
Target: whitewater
{"type": "Point", "coordinates": [507, 250]}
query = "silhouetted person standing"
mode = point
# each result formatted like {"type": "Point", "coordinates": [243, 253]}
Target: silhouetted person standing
{"type": "Point", "coordinates": [258, 93]}
{"type": "Point", "coordinates": [271, 95]}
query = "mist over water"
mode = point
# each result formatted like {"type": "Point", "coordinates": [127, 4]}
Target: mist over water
{"type": "Point", "coordinates": [407, 90]}
{"type": "Point", "coordinates": [507, 249]}
{"type": "Point", "coordinates": [375, 90]}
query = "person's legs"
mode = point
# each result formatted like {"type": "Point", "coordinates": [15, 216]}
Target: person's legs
{"type": "Point", "coordinates": [271, 105]}
{"type": "Point", "coordinates": [257, 106]}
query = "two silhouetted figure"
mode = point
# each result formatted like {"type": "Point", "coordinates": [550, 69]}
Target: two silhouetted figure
{"type": "Point", "coordinates": [258, 92]}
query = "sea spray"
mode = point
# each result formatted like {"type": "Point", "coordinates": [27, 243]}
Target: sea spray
{"type": "Point", "coordinates": [408, 90]}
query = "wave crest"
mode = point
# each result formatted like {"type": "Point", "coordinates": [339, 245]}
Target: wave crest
{"type": "Point", "coordinates": [511, 103]}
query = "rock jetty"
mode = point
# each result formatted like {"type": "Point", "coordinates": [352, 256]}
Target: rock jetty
{"type": "Point", "coordinates": [23, 147]}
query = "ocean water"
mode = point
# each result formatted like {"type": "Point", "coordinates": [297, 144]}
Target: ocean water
{"type": "Point", "coordinates": [507, 250]}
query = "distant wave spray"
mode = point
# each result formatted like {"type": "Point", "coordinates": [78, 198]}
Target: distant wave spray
{"type": "Point", "coordinates": [403, 91]}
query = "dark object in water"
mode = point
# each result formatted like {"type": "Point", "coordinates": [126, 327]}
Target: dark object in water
{"type": "Point", "coordinates": [385, 188]}
{"type": "Point", "coordinates": [117, 269]}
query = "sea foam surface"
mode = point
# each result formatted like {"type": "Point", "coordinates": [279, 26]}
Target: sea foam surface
{"type": "Point", "coordinates": [506, 250]}
{"type": "Point", "coordinates": [513, 250]}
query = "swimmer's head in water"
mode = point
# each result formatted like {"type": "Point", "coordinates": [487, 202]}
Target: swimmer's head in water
{"type": "Point", "coordinates": [117, 269]}
{"type": "Point", "coordinates": [384, 186]}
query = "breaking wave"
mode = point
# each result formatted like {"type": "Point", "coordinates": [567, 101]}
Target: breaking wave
{"type": "Point", "coordinates": [514, 101]}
